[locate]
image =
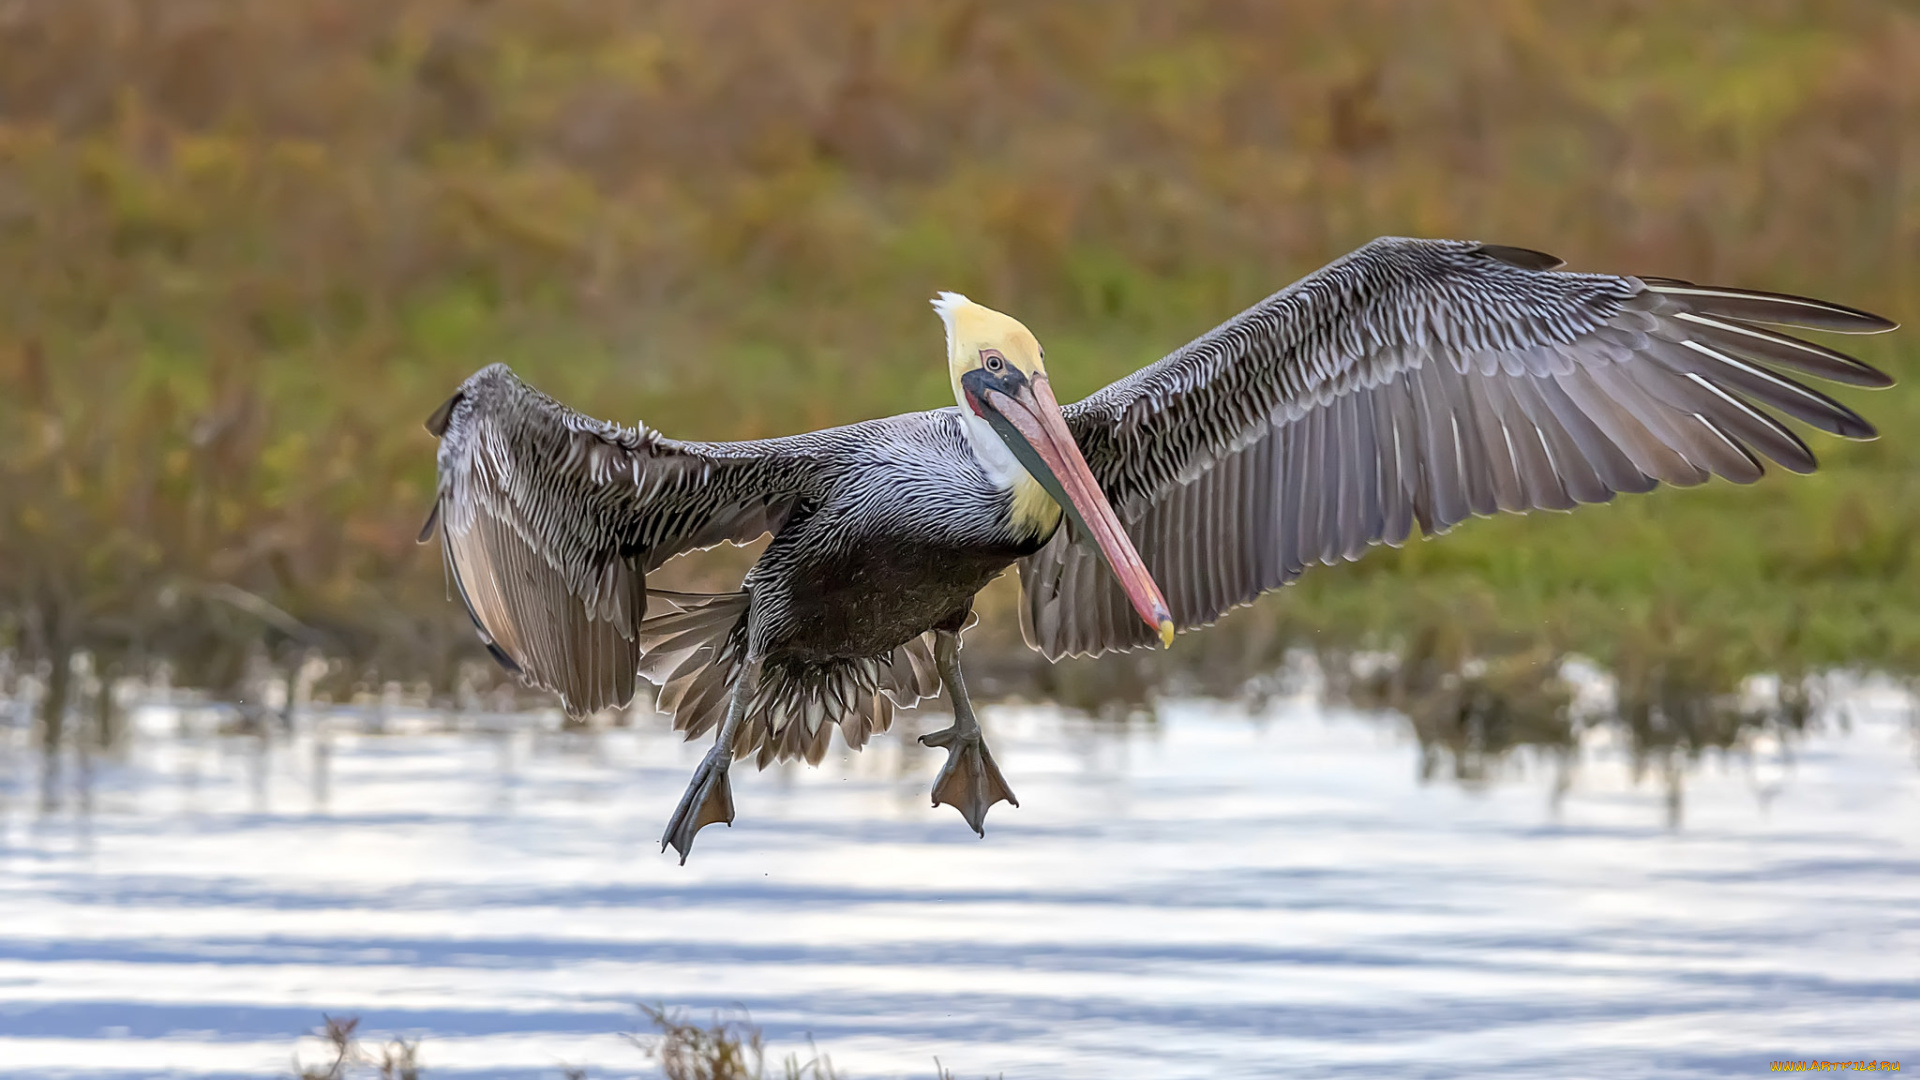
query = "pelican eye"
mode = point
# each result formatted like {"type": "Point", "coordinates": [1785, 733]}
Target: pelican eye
{"type": "Point", "coordinates": [995, 363]}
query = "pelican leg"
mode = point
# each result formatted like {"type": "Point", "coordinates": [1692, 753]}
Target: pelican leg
{"type": "Point", "coordinates": [969, 782]}
{"type": "Point", "coordinates": [709, 796]}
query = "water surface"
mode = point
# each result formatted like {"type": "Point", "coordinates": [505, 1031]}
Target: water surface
{"type": "Point", "coordinates": [1216, 894]}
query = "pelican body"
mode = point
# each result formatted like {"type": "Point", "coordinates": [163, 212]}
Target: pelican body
{"type": "Point", "coordinates": [1414, 381]}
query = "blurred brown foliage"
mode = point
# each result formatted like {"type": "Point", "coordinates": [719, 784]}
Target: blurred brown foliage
{"type": "Point", "coordinates": [247, 245]}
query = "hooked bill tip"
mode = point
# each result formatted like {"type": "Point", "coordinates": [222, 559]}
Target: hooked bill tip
{"type": "Point", "coordinates": [1166, 633]}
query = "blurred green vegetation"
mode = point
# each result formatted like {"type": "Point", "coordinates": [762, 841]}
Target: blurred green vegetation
{"type": "Point", "coordinates": [247, 245]}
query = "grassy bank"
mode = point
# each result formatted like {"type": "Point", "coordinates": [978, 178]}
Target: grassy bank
{"type": "Point", "coordinates": [247, 246]}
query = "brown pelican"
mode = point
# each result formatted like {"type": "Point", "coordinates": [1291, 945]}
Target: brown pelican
{"type": "Point", "coordinates": [1412, 381]}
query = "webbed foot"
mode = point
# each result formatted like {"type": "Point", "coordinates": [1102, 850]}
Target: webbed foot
{"type": "Point", "coordinates": [969, 782]}
{"type": "Point", "coordinates": [709, 798]}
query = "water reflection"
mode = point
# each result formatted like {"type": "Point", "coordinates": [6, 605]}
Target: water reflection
{"type": "Point", "coordinates": [1475, 863]}
{"type": "Point", "coordinates": [1469, 715]}
{"type": "Point", "coordinates": [1194, 888]}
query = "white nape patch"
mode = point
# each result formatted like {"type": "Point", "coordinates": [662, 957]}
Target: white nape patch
{"type": "Point", "coordinates": [947, 304]}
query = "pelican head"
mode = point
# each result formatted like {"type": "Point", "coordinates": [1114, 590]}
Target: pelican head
{"type": "Point", "coordinates": [999, 377]}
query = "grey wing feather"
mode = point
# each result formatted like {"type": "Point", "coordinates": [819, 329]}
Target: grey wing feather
{"type": "Point", "coordinates": [1424, 381]}
{"type": "Point", "coordinates": [551, 520]}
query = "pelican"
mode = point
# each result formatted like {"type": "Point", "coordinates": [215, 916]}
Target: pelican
{"type": "Point", "coordinates": [1412, 381]}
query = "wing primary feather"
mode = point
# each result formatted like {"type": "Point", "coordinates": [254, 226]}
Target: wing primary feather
{"type": "Point", "coordinates": [1734, 449]}
{"type": "Point", "coordinates": [1803, 403]}
{"type": "Point", "coordinates": [1748, 426]}
{"type": "Point", "coordinates": [1787, 351]}
{"type": "Point", "coordinates": [1780, 309]}
{"type": "Point", "coordinates": [1727, 418]}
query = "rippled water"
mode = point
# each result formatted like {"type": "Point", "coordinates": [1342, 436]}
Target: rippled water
{"type": "Point", "coordinates": [1213, 895]}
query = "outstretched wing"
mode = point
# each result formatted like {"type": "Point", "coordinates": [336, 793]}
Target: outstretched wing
{"type": "Point", "coordinates": [1423, 380]}
{"type": "Point", "coordinates": [551, 521]}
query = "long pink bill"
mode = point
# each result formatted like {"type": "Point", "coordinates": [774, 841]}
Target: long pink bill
{"type": "Point", "coordinates": [1035, 416]}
